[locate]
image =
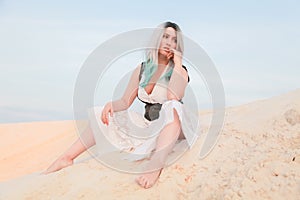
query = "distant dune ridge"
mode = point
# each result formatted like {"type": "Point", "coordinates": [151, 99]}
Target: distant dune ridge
{"type": "Point", "coordinates": [257, 156]}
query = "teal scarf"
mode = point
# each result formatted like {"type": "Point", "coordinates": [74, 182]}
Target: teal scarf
{"type": "Point", "coordinates": [149, 70]}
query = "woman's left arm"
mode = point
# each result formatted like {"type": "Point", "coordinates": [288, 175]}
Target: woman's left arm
{"type": "Point", "coordinates": [178, 80]}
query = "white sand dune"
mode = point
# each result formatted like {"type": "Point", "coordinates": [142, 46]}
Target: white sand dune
{"type": "Point", "coordinates": [257, 157]}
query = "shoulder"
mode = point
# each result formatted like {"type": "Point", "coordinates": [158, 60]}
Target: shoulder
{"type": "Point", "coordinates": [140, 69]}
{"type": "Point", "coordinates": [136, 73]}
{"type": "Point", "coordinates": [186, 72]}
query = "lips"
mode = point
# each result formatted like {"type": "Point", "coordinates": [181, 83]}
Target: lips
{"type": "Point", "coordinates": [166, 49]}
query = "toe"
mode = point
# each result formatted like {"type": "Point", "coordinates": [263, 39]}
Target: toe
{"type": "Point", "coordinates": [137, 180]}
{"type": "Point", "coordinates": [146, 186]}
{"type": "Point", "coordinates": [144, 182]}
{"type": "Point", "coordinates": [140, 180]}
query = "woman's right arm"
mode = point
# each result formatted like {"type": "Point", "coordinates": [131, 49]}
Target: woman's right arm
{"type": "Point", "coordinates": [127, 99]}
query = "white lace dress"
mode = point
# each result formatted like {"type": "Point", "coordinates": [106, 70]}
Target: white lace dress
{"type": "Point", "coordinates": [131, 132]}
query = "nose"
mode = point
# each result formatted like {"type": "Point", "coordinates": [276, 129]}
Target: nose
{"type": "Point", "coordinates": [168, 42]}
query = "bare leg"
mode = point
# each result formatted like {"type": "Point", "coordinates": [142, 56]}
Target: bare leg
{"type": "Point", "coordinates": [165, 143]}
{"type": "Point", "coordinates": [79, 146]}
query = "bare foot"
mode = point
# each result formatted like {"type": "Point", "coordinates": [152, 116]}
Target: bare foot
{"type": "Point", "coordinates": [147, 180]}
{"type": "Point", "coordinates": [58, 165]}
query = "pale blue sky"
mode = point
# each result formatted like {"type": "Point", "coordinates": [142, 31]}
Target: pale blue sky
{"type": "Point", "coordinates": [255, 47]}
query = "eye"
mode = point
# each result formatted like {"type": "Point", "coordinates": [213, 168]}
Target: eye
{"type": "Point", "coordinates": [166, 36]}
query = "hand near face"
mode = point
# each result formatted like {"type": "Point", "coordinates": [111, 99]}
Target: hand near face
{"type": "Point", "coordinates": [176, 56]}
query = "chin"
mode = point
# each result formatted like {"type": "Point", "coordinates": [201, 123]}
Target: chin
{"type": "Point", "coordinates": [163, 53]}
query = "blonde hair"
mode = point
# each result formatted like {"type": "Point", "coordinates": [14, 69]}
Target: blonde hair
{"type": "Point", "coordinates": [151, 53]}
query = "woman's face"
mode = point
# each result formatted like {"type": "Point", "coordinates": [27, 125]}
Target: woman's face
{"type": "Point", "coordinates": [168, 41]}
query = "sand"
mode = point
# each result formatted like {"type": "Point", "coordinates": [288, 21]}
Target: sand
{"type": "Point", "coordinates": [257, 156]}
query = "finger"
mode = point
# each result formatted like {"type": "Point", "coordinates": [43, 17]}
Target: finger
{"type": "Point", "coordinates": [169, 55]}
{"type": "Point", "coordinates": [176, 52]}
{"type": "Point", "coordinates": [106, 118]}
{"type": "Point", "coordinates": [102, 117]}
{"type": "Point", "coordinates": [173, 50]}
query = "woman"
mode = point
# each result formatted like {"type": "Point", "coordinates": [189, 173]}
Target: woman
{"type": "Point", "coordinates": [160, 83]}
